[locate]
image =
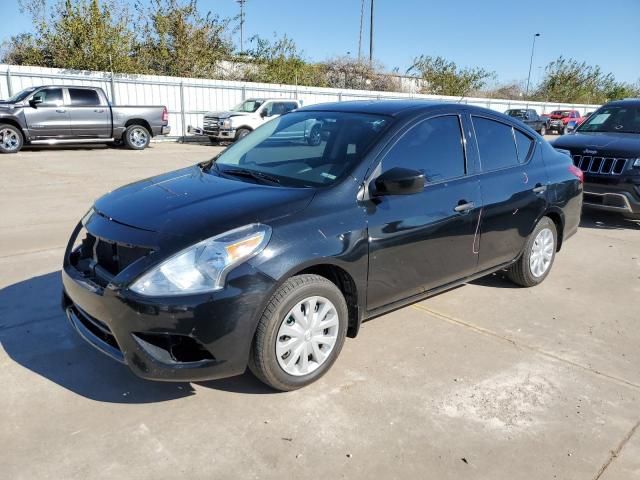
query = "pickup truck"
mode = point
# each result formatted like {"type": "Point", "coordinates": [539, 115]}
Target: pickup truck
{"type": "Point", "coordinates": [235, 123]}
{"type": "Point", "coordinates": [74, 114]}
{"type": "Point", "coordinates": [561, 118]}
{"type": "Point", "coordinates": [530, 117]}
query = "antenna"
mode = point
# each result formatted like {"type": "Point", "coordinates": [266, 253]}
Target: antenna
{"type": "Point", "coordinates": [241, 2]}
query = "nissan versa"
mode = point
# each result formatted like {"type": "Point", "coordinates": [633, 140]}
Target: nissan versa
{"type": "Point", "coordinates": [273, 252]}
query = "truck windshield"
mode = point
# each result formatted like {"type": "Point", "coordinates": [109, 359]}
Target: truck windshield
{"type": "Point", "coordinates": [516, 113]}
{"type": "Point", "coordinates": [303, 149]}
{"type": "Point", "coordinates": [561, 113]}
{"type": "Point", "coordinates": [248, 106]}
{"type": "Point", "coordinates": [621, 119]}
{"type": "Point", "coordinates": [21, 95]}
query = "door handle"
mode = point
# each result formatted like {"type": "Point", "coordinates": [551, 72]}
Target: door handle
{"type": "Point", "coordinates": [539, 188]}
{"type": "Point", "coordinates": [61, 110]}
{"type": "Point", "coordinates": [99, 110]}
{"type": "Point", "coordinates": [463, 207]}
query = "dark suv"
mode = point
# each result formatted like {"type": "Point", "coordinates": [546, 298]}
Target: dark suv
{"type": "Point", "coordinates": [607, 148]}
{"type": "Point", "coordinates": [270, 254]}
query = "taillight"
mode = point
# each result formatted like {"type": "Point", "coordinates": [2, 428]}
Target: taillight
{"type": "Point", "coordinates": [577, 172]}
{"type": "Point", "coordinates": [165, 114]}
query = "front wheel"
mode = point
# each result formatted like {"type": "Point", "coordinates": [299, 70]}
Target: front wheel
{"type": "Point", "coordinates": [10, 139]}
{"type": "Point", "coordinates": [137, 137]}
{"type": "Point", "coordinates": [543, 130]}
{"type": "Point", "coordinates": [315, 136]}
{"type": "Point", "coordinates": [242, 132]}
{"type": "Point", "coordinates": [535, 263]}
{"type": "Point", "coordinates": [300, 334]}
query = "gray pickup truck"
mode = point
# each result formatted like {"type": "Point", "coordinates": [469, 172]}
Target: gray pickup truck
{"type": "Point", "coordinates": [74, 114]}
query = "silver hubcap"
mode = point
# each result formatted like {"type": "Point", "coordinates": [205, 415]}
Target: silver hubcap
{"type": "Point", "coordinates": [541, 252]}
{"type": "Point", "coordinates": [9, 139]}
{"type": "Point", "coordinates": [138, 137]}
{"type": "Point", "coordinates": [307, 336]}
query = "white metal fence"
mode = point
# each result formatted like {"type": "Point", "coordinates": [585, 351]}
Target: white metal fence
{"type": "Point", "coordinates": [187, 99]}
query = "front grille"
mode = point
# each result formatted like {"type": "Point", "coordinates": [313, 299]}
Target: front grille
{"type": "Point", "coordinates": [600, 165]}
{"type": "Point", "coordinates": [211, 124]}
{"type": "Point", "coordinates": [111, 257]}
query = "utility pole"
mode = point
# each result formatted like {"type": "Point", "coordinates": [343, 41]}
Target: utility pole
{"type": "Point", "coordinates": [241, 2]}
{"type": "Point", "coordinates": [371, 36]}
{"type": "Point", "coordinates": [360, 36]}
{"type": "Point", "coordinates": [531, 64]}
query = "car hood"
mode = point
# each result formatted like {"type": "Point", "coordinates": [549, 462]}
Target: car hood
{"type": "Point", "coordinates": [226, 114]}
{"type": "Point", "coordinates": [195, 204]}
{"type": "Point", "coordinates": [623, 144]}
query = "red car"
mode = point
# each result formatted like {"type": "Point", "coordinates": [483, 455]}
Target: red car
{"type": "Point", "coordinates": [560, 119]}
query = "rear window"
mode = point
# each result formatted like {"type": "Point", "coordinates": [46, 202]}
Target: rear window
{"type": "Point", "coordinates": [83, 97]}
{"type": "Point", "coordinates": [495, 143]}
{"type": "Point", "coordinates": [524, 144]}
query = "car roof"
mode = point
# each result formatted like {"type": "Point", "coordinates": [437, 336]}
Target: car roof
{"type": "Point", "coordinates": [635, 102]}
{"type": "Point", "coordinates": [393, 107]}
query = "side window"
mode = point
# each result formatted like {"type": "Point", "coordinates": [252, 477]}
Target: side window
{"type": "Point", "coordinates": [288, 106]}
{"type": "Point", "coordinates": [524, 144]}
{"type": "Point", "coordinates": [496, 145]}
{"type": "Point", "coordinates": [267, 110]}
{"type": "Point", "coordinates": [51, 97]}
{"type": "Point", "coordinates": [434, 146]}
{"type": "Point", "coordinates": [81, 97]}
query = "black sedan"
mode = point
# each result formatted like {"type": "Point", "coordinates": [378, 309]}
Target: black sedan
{"type": "Point", "coordinates": [270, 254]}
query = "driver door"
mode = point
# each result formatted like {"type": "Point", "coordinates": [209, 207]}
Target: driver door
{"type": "Point", "coordinates": [47, 116]}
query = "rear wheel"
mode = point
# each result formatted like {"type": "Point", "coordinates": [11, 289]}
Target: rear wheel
{"type": "Point", "coordinates": [11, 140]}
{"type": "Point", "coordinates": [300, 334]}
{"type": "Point", "coordinates": [137, 137]}
{"type": "Point", "coordinates": [539, 252]}
{"type": "Point", "coordinates": [315, 136]}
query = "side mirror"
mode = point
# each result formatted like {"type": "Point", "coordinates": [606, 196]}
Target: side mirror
{"type": "Point", "coordinates": [34, 102]}
{"type": "Point", "coordinates": [572, 125]}
{"type": "Point", "coordinates": [398, 181]}
{"type": "Point", "coordinates": [263, 114]}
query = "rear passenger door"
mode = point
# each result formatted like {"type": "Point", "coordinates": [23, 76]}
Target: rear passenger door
{"type": "Point", "coordinates": [425, 240]}
{"type": "Point", "coordinates": [90, 115]}
{"type": "Point", "coordinates": [513, 183]}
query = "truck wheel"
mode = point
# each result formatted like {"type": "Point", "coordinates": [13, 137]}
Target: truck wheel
{"type": "Point", "coordinates": [315, 136]}
{"type": "Point", "coordinates": [535, 263]}
{"type": "Point", "coordinates": [11, 140]}
{"type": "Point", "coordinates": [543, 130]}
{"type": "Point", "coordinates": [242, 132]}
{"type": "Point", "coordinates": [300, 334]}
{"type": "Point", "coordinates": [137, 137]}
{"type": "Point", "coordinates": [213, 140]}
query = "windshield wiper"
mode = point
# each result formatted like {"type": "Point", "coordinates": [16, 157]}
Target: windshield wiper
{"type": "Point", "coordinates": [260, 176]}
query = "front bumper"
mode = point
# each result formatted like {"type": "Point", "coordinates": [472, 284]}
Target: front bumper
{"type": "Point", "coordinates": [623, 197]}
{"type": "Point", "coordinates": [188, 338]}
{"type": "Point", "coordinates": [217, 133]}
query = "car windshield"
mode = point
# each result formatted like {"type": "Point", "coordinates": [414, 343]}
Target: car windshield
{"type": "Point", "coordinates": [21, 95]}
{"type": "Point", "coordinates": [248, 106]}
{"type": "Point", "coordinates": [561, 113]}
{"type": "Point", "coordinates": [620, 118]}
{"type": "Point", "coordinates": [303, 149]}
{"type": "Point", "coordinates": [516, 113]}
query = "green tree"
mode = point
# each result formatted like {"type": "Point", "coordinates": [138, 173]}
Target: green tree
{"type": "Point", "coordinates": [176, 39]}
{"type": "Point", "coordinates": [280, 61]}
{"type": "Point", "coordinates": [78, 34]}
{"type": "Point", "coordinates": [443, 77]}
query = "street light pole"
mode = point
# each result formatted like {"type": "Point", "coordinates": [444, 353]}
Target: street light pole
{"type": "Point", "coordinates": [241, 2]}
{"type": "Point", "coordinates": [531, 64]}
{"type": "Point", "coordinates": [371, 35]}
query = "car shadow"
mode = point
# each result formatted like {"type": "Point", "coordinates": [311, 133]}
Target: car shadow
{"type": "Point", "coordinates": [495, 280]}
{"type": "Point", "coordinates": [35, 333]}
{"type": "Point", "coordinates": [600, 220]}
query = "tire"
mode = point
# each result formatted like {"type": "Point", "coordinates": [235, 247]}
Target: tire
{"type": "Point", "coordinates": [213, 140]}
{"type": "Point", "coordinates": [543, 130]}
{"type": "Point", "coordinates": [521, 272]}
{"type": "Point", "coordinates": [315, 136]}
{"type": "Point", "coordinates": [278, 320]}
{"type": "Point", "coordinates": [11, 140]}
{"type": "Point", "coordinates": [137, 137]}
{"type": "Point", "coordinates": [242, 132]}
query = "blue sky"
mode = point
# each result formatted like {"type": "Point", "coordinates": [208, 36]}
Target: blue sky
{"type": "Point", "coordinates": [494, 34]}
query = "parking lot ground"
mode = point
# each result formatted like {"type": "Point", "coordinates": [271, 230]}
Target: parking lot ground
{"type": "Point", "coordinates": [486, 381]}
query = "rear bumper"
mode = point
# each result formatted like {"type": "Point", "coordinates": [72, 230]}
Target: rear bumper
{"type": "Point", "coordinates": [161, 130]}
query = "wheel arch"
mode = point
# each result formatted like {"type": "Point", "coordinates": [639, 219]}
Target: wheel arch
{"type": "Point", "coordinates": [557, 217]}
{"type": "Point", "coordinates": [16, 124]}
{"type": "Point", "coordinates": [138, 121]}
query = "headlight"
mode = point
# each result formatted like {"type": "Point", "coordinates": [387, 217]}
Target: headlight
{"type": "Point", "coordinates": [203, 267]}
{"type": "Point", "coordinates": [226, 123]}
{"type": "Point", "coordinates": [636, 163]}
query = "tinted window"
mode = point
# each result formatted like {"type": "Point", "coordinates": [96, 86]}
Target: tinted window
{"type": "Point", "coordinates": [495, 142]}
{"type": "Point", "coordinates": [524, 144]}
{"type": "Point", "coordinates": [433, 146]}
{"type": "Point", "coordinates": [81, 97]}
{"type": "Point", "coordinates": [50, 97]}
{"type": "Point", "coordinates": [289, 106]}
